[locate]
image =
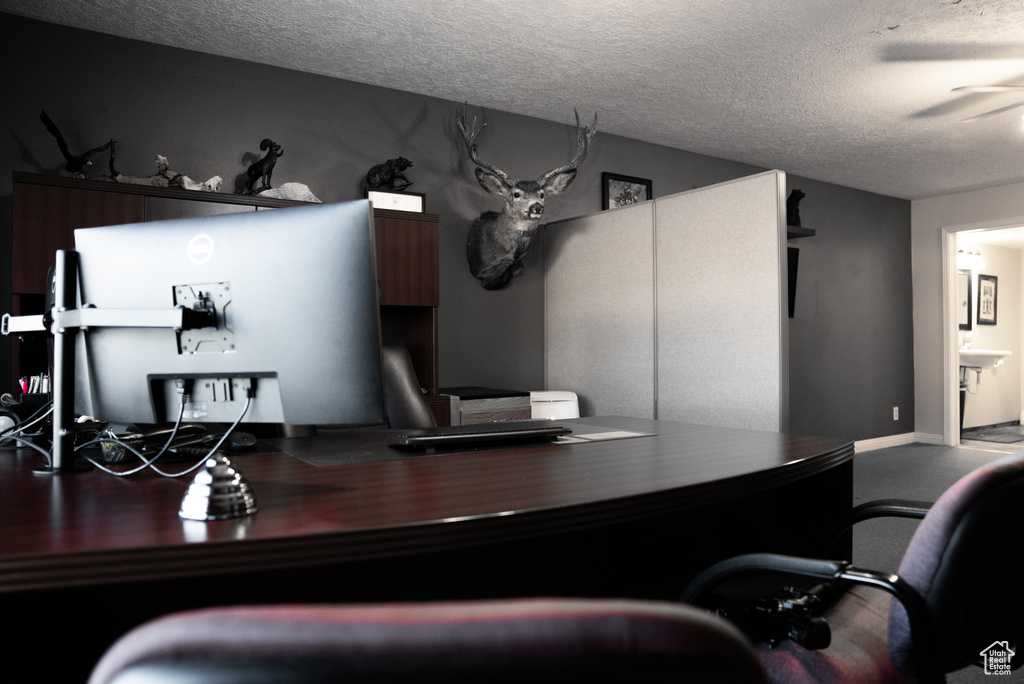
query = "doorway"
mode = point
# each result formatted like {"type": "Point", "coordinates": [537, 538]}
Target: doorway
{"type": "Point", "coordinates": [994, 394]}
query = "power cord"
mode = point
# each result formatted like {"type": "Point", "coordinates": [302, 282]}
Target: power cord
{"type": "Point", "coordinates": [184, 390]}
{"type": "Point", "coordinates": [16, 433]}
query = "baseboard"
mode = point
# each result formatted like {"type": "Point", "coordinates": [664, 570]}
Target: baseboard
{"type": "Point", "coordinates": [896, 440]}
{"type": "Point", "coordinates": [926, 438]}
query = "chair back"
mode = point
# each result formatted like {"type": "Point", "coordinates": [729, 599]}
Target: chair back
{"type": "Point", "coordinates": [404, 401]}
{"type": "Point", "coordinates": [523, 640]}
{"type": "Point", "coordinates": [961, 561]}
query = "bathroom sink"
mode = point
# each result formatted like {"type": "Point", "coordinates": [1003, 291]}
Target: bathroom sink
{"type": "Point", "coordinates": [982, 358]}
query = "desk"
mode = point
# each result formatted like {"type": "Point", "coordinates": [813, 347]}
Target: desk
{"type": "Point", "coordinates": [607, 517]}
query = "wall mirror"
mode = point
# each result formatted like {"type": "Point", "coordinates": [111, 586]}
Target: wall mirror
{"type": "Point", "coordinates": [963, 299]}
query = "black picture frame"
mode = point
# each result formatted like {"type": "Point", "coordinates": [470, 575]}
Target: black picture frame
{"type": "Point", "coordinates": [620, 191]}
{"type": "Point", "coordinates": [988, 291]}
{"type": "Point", "coordinates": [964, 299]}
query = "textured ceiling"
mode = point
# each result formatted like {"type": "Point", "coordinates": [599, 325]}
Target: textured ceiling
{"type": "Point", "coordinates": [854, 92]}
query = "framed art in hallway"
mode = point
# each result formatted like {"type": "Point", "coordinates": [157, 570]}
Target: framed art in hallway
{"type": "Point", "coordinates": [988, 286]}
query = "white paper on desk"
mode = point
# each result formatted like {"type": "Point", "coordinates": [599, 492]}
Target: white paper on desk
{"type": "Point", "coordinates": [614, 434]}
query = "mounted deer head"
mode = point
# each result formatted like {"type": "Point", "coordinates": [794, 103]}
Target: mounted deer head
{"type": "Point", "coordinates": [498, 241]}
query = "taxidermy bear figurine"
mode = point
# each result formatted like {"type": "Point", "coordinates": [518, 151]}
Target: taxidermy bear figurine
{"type": "Point", "coordinates": [384, 175]}
{"type": "Point", "coordinates": [498, 241]}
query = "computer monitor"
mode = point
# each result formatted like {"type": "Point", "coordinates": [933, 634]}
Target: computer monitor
{"type": "Point", "coordinates": [288, 306]}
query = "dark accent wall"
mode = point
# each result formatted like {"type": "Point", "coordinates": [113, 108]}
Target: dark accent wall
{"type": "Point", "coordinates": [851, 356]}
{"type": "Point", "coordinates": [208, 114]}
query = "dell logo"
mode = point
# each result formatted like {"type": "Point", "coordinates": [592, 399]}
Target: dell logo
{"type": "Point", "coordinates": [200, 249]}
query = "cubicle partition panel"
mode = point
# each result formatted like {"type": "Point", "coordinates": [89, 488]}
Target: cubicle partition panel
{"type": "Point", "coordinates": [599, 310]}
{"type": "Point", "coordinates": [721, 307]}
{"type": "Point", "coordinates": [676, 307]}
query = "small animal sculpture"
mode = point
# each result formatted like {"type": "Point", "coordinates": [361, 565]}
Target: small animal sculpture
{"type": "Point", "coordinates": [793, 208]}
{"type": "Point", "coordinates": [264, 168]}
{"type": "Point", "coordinates": [384, 175]}
{"type": "Point", "coordinates": [498, 241]}
{"type": "Point", "coordinates": [75, 163]}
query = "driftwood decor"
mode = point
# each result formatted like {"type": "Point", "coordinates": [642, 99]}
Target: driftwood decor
{"type": "Point", "coordinates": [498, 241]}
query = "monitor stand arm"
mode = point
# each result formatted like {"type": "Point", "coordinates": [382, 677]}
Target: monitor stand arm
{"type": "Point", "coordinates": [65, 320]}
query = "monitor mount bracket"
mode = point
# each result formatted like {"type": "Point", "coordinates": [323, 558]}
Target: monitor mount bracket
{"type": "Point", "coordinates": [64, 321]}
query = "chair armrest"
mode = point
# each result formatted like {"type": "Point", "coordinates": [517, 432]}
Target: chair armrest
{"type": "Point", "coordinates": [891, 508]}
{"type": "Point", "coordinates": [880, 508]}
{"type": "Point", "coordinates": [756, 563]}
{"type": "Point", "coordinates": [749, 564]}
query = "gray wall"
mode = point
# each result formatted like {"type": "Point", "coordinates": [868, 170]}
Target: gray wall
{"type": "Point", "coordinates": [207, 115]}
{"type": "Point", "coordinates": [851, 340]}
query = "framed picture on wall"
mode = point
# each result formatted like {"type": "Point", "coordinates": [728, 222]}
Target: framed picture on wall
{"type": "Point", "coordinates": [619, 191]}
{"type": "Point", "coordinates": [988, 286]}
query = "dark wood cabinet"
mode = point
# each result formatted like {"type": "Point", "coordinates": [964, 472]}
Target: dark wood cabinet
{"type": "Point", "coordinates": [48, 209]}
{"type": "Point", "coordinates": [407, 268]}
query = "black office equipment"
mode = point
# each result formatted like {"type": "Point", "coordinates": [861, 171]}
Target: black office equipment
{"type": "Point", "coordinates": [481, 435]}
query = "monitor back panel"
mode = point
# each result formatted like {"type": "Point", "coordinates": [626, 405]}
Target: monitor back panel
{"type": "Point", "coordinates": [294, 293]}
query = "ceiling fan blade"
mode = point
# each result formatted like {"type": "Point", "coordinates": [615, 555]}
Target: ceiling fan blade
{"type": "Point", "coordinates": [994, 112]}
{"type": "Point", "coordinates": [988, 88]}
{"type": "Point", "coordinates": [946, 51]}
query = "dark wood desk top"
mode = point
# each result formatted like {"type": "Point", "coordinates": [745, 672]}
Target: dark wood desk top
{"type": "Point", "coordinates": [93, 528]}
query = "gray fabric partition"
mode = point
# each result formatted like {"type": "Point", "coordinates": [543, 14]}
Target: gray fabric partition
{"type": "Point", "coordinates": [674, 308]}
{"type": "Point", "coordinates": [599, 310]}
{"type": "Point", "coordinates": [721, 316]}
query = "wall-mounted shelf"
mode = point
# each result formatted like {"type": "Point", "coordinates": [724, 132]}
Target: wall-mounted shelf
{"type": "Point", "coordinates": [793, 232]}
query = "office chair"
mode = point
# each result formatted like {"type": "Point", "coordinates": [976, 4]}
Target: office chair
{"type": "Point", "coordinates": [404, 401]}
{"type": "Point", "coordinates": [956, 596]}
{"type": "Point", "coordinates": [529, 640]}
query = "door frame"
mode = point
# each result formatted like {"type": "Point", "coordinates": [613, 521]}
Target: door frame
{"type": "Point", "coordinates": [950, 358]}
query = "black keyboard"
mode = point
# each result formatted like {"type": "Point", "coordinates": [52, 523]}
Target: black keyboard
{"type": "Point", "coordinates": [482, 434]}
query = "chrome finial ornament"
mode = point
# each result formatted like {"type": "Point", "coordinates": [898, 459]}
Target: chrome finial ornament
{"type": "Point", "coordinates": [218, 492]}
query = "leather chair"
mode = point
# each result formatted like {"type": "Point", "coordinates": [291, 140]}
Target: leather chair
{"type": "Point", "coordinates": [956, 597]}
{"type": "Point", "coordinates": [404, 401]}
{"type": "Point", "coordinates": [524, 640]}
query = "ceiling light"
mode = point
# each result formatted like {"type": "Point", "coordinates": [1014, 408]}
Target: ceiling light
{"type": "Point", "coordinates": [971, 260]}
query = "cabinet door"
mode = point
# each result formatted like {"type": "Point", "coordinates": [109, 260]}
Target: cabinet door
{"type": "Point", "coordinates": [45, 218]}
{"type": "Point", "coordinates": [407, 254]}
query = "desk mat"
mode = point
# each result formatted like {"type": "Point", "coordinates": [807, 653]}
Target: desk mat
{"type": "Point", "coordinates": [331, 447]}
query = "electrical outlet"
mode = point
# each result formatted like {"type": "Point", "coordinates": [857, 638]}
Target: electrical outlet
{"type": "Point", "coordinates": [895, 412]}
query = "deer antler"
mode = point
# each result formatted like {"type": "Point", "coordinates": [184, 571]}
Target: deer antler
{"type": "Point", "coordinates": [583, 137]}
{"type": "Point", "coordinates": [470, 139]}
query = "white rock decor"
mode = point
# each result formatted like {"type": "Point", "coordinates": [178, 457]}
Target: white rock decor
{"type": "Point", "coordinates": [290, 191]}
